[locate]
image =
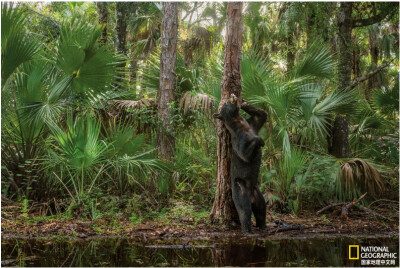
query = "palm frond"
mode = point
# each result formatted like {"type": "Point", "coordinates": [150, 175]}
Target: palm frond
{"type": "Point", "coordinates": [135, 104]}
{"type": "Point", "coordinates": [317, 62]}
{"type": "Point", "coordinates": [80, 56]}
{"type": "Point", "coordinates": [358, 176]}
{"type": "Point", "coordinates": [199, 102]}
{"type": "Point", "coordinates": [17, 46]}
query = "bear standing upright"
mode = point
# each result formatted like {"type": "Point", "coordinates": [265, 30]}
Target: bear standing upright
{"type": "Point", "coordinates": [246, 160]}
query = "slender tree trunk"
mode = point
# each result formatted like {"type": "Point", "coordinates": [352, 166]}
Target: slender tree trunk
{"type": "Point", "coordinates": [223, 206]}
{"type": "Point", "coordinates": [310, 24]}
{"type": "Point", "coordinates": [356, 60]}
{"type": "Point", "coordinates": [121, 14]}
{"type": "Point", "coordinates": [121, 17]}
{"type": "Point", "coordinates": [375, 81]}
{"type": "Point", "coordinates": [133, 70]}
{"type": "Point", "coordinates": [339, 143]}
{"type": "Point", "coordinates": [165, 140]}
{"type": "Point", "coordinates": [103, 14]}
{"type": "Point", "coordinates": [290, 52]}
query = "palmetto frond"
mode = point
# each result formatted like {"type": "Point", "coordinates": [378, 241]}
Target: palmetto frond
{"type": "Point", "coordinates": [358, 176]}
{"type": "Point", "coordinates": [317, 62]}
{"type": "Point", "coordinates": [136, 104]}
{"type": "Point", "coordinates": [387, 100]}
{"type": "Point", "coordinates": [17, 46]}
{"type": "Point", "coordinates": [80, 56]}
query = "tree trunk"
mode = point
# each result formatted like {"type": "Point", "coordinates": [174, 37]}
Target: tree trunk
{"type": "Point", "coordinates": [121, 15]}
{"type": "Point", "coordinates": [165, 140]}
{"type": "Point", "coordinates": [356, 60]}
{"type": "Point", "coordinates": [339, 141]}
{"type": "Point", "coordinates": [375, 81]}
{"type": "Point", "coordinates": [133, 65]}
{"type": "Point", "coordinates": [223, 206]}
{"type": "Point", "coordinates": [310, 24]}
{"type": "Point", "coordinates": [290, 52]}
{"type": "Point", "coordinates": [103, 13]}
{"type": "Point", "coordinates": [340, 137]}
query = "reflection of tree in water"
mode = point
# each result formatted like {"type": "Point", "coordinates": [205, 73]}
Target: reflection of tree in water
{"type": "Point", "coordinates": [281, 253]}
{"type": "Point", "coordinates": [242, 252]}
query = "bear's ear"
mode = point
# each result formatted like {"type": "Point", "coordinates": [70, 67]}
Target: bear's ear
{"type": "Point", "coordinates": [218, 116]}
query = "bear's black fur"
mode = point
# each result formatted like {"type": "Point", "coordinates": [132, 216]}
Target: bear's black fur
{"type": "Point", "coordinates": [246, 160]}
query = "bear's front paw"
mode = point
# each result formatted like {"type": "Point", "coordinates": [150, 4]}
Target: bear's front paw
{"type": "Point", "coordinates": [232, 98]}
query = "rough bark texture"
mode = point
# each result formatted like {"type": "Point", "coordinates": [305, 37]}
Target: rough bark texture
{"type": "Point", "coordinates": [223, 206]}
{"type": "Point", "coordinates": [340, 146]}
{"type": "Point", "coordinates": [121, 15]}
{"type": "Point", "coordinates": [103, 14]}
{"type": "Point", "coordinates": [169, 36]}
{"type": "Point", "coordinates": [339, 143]}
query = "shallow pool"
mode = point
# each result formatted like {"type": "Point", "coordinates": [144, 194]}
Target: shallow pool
{"type": "Point", "coordinates": [224, 252]}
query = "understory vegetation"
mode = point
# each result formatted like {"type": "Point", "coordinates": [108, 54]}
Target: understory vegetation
{"type": "Point", "coordinates": [79, 116]}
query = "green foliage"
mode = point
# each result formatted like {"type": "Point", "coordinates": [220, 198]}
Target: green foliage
{"type": "Point", "coordinates": [63, 137]}
{"type": "Point", "coordinates": [387, 100]}
{"type": "Point", "coordinates": [17, 46]}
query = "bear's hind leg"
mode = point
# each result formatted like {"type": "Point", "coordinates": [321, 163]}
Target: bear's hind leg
{"type": "Point", "coordinates": [258, 207]}
{"type": "Point", "coordinates": [241, 198]}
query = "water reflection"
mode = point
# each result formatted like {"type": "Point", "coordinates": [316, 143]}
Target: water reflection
{"type": "Point", "coordinates": [123, 252]}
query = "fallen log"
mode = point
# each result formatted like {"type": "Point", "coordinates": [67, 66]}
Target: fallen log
{"type": "Point", "coordinates": [347, 205]}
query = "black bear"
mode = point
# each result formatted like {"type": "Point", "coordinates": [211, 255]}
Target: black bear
{"type": "Point", "coordinates": [246, 160]}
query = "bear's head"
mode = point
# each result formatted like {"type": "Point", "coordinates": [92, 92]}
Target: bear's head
{"type": "Point", "coordinates": [229, 109]}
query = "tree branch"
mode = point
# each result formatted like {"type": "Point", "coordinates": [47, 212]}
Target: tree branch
{"type": "Point", "coordinates": [368, 75]}
{"type": "Point", "coordinates": [377, 18]}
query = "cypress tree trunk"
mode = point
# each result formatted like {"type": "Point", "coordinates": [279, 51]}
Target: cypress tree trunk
{"type": "Point", "coordinates": [339, 141]}
{"type": "Point", "coordinates": [103, 14]}
{"type": "Point", "coordinates": [165, 141]}
{"type": "Point", "coordinates": [223, 206]}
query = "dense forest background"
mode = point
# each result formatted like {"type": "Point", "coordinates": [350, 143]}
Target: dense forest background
{"type": "Point", "coordinates": [86, 133]}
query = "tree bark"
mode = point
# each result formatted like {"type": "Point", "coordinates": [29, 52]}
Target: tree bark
{"type": "Point", "coordinates": [339, 145]}
{"type": "Point", "coordinates": [223, 206]}
{"type": "Point", "coordinates": [121, 15]}
{"type": "Point", "coordinates": [165, 141]}
{"type": "Point", "coordinates": [103, 14]}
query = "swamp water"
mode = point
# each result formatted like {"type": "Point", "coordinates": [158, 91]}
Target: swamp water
{"type": "Point", "coordinates": [224, 252]}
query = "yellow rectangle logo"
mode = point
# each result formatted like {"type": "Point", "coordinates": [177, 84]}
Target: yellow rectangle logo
{"type": "Point", "coordinates": [351, 256]}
